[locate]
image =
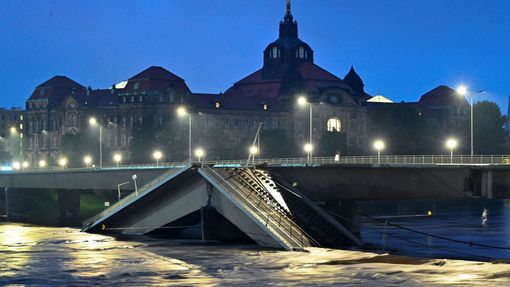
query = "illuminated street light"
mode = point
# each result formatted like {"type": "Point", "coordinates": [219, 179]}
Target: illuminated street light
{"type": "Point", "coordinates": [93, 122]}
{"type": "Point", "coordinates": [16, 165]}
{"type": "Point", "coordinates": [303, 101]}
{"type": "Point", "coordinates": [254, 150]}
{"type": "Point", "coordinates": [157, 155]}
{"type": "Point", "coordinates": [25, 164]}
{"type": "Point", "coordinates": [199, 153]}
{"type": "Point", "coordinates": [42, 163]}
{"type": "Point", "coordinates": [379, 146]}
{"type": "Point", "coordinates": [464, 91]}
{"type": "Point", "coordinates": [62, 162]}
{"type": "Point", "coordinates": [117, 158]}
{"type": "Point", "coordinates": [451, 144]}
{"type": "Point", "coordinates": [87, 160]}
{"type": "Point", "coordinates": [13, 130]}
{"type": "Point", "coordinates": [182, 112]}
{"type": "Point", "coordinates": [308, 148]}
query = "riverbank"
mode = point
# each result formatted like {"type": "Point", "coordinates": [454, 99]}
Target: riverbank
{"type": "Point", "coordinates": [32, 255]}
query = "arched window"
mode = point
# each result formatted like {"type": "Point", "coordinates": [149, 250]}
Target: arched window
{"type": "Point", "coordinates": [301, 53]}
{"type": "Point", "coordinates": [274, 53]}
{"type": "Point", "coordinates": [334, 125]}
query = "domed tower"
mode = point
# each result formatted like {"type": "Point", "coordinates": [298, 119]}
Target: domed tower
{"type": "Point", "coordinates": [283, 56]}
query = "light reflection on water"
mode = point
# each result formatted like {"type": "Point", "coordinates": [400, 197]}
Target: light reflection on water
{"type": "Point", "coordinates": [31, 255]}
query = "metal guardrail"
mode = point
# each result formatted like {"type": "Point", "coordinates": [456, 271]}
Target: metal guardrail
{"type": "Point", "coordinates": [302, 161]}
{"type": "Point", "coordinates": [263, 215]}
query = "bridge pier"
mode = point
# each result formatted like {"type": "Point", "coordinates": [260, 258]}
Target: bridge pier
{"type": "Point", "coordinates": [68, 204]}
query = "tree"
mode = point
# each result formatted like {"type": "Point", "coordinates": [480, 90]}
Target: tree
{"type": "Point", "coordinates": [75, 146]}
{"type": "Point", "coordinates": [490, 136]}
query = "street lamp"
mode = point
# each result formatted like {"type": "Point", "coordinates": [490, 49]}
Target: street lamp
{"type": "Point", "coordinates": [303, 101]}
{"type": "Point", "coordinates": [308, 148]}
{"type": "Point", "coordinates": [451, 144]}
{"type": "Point", "coordinates": [157, 155]}
{"type": "Point", "coordinates": [25, 164]}
{"type": "Point", "coordinates": [182, 112]}
{"type": "Point", "coordinates": [117, 158]}
{"type": "Point", "coordinates": [253, 150]}
{"type": "Point", "coordinates": [42, 163]}
{"type": "Point", "coordinates": [379, 146]}
{"type": "Point", "coordinates": [87, 160]}
{"type": "Point", "coordinates": [463, 91]}
{"type": "Point", "coordinates": [62, 162]}
{"type": "Point", "coordinates": [14, 131]}
{"type": "Point", "coordinates": [16, 165]}
{"type": "Point", "coordinates": [93, 122]}
{"type": "Point", "coordinates": [199, 153]}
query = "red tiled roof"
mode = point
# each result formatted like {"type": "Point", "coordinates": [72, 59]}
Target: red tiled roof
{"type": "Point", "coordinates": [441, 96]}
{"type": "Point", "coordinates": [156, 78]}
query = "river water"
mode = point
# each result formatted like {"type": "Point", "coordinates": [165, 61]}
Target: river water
{"type": "Point", "coordinates": [52, 256]}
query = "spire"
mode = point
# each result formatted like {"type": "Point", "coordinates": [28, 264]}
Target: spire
{"type": "Point", "coordinates": [288, 27]}
{"type": "Point", "coordinates": [288, 12]}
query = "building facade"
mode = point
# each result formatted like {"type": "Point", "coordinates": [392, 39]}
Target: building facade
{"type": "Point", "coordinates": [220, 122]}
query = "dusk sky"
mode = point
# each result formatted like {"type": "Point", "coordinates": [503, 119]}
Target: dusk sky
{"type": "Point", "coordinates": [401, 49]}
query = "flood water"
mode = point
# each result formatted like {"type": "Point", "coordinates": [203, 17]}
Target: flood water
{"type": "Point", "coordinates": [458, 220]}
{"type": "Point", "coordinates": [49, 256]}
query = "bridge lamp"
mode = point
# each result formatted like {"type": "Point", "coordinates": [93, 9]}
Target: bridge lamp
{"type": "Point", "coordinates": [308, 148]}
{"type": "Point", "coordinates": [42, 163]}
{"type": "Point", "coordinates": [62, 162]}
{"type": "Point", "coordinates": [87, 160]}
{"type": "Point", "coordinates": [451, 144]}
{"type": "Point", "coordinates": [199, 153]}
{"type": "Point", "coordinates": [182, 112]}
{"type": "Point", "coordinates": [13, 130]}
{"type": "Point", "coordinates": [93, 123]}
{"type": "Point", "coordinates": [25, 164]}
{"type": "Point", "coordinates": [157, 155]}
{"type": "Point", "coordinates": [253, 150]}
{"type": "Point", "coordinates": [462, 90]}
{"type": "Point", "coordinates": [117, 158]}
{"type": "Point", "coordinates": [303, 101]}
{"type": "Point", "coordinates": [16, 165]}
{"type": "Point", "coordinates": [379, 146]}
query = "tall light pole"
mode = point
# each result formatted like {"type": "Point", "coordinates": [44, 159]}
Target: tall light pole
{"type": "Point", "coordinates": [302, 101]}
{"type": "Point", "coordinates": [463, 91]}
{"type": "Point", "coordinates": [93, 122]}
{"type": "Point", "coordinates": [308, 148]}
{"type": "Point", "coordinates": [451, 143]}
{"type": "Point", "coordinates": [379, 146]}
{"type": "Point", "coordinates": [14, 131]}
{"type": "Point", "coordinates": [182, 112]}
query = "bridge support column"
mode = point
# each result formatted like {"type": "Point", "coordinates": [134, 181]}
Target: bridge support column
{"type": "Point", "coordinates": [487, 184]}
{"type": "Point", "coordinates": [68, 207]}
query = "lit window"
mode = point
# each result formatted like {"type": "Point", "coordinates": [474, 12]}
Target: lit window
{"type": "Point", "coordinates": [334, 125]}
{"type": "Point", "coordinates": [217, 104]}
{"type": "Point", "coordinates": [21, 117]}
{"type": "Point", "coordinates": [301, 53]}
{"type": "Point", "coordinates": [266, 107]}
{"type": "Point", "coordinates": [274, 53]}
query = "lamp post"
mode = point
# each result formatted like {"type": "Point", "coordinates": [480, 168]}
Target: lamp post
{"type": "Point", "coordinates": [42, 163]}
{"type": "Point", "coordinates": [87, 160]}
{"type": "Point", "coordinates": [308, 148]}
{"type": "Point", "coordinates": [62, 162]}
{"type": "Point", "coordinates": [182, 112]}
{"type": "Point", "coordinates": [302, 101]}
{"type": "Point", "coordinates": [93, 122]}
{"type": "Point", "coordinates": [117, 158]}
{"type": "Point", "coordinates": [14, 131]}
{"type": "Point", "coordinates": [463, 91]}
{"type": "Point", "coordinates": [451, 144]}
{"type": "Point", "coordinates": [134, 177]}
{"type": "Point", "coordinates": [379, 146]}
{"type": "Point", "coordinates": [254, 150]}
{"type": "Point", "coordinates": [199, 153]}
{"type": "Point", "coordinates": [157, 155]}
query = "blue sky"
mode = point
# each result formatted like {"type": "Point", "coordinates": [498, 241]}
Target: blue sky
{"type": "Point", "coordinates": [401, 49]}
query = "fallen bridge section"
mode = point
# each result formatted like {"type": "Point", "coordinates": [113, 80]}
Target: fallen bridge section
{"type": "Point", "coordinates": [245, 201]}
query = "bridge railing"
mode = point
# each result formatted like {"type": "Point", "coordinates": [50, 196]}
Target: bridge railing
{"type": "Point", "coordinates": [301, 161]}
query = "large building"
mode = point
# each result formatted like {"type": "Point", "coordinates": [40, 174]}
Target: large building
{"type": "Point", "coordinates": [220, 122]}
